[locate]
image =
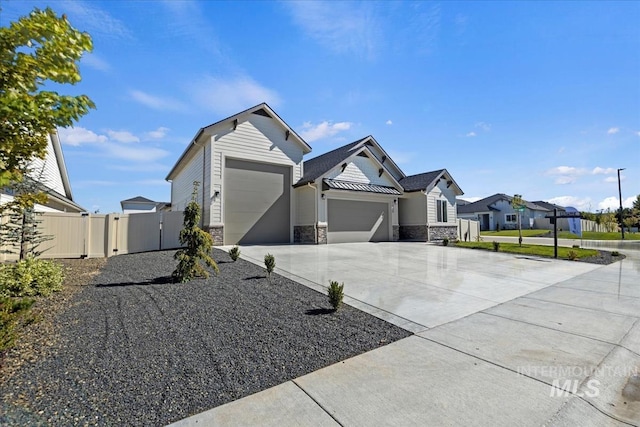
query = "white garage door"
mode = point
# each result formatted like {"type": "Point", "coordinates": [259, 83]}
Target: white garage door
{"type": "Point", "coordinates": [256, 203]}
{"type": "Point", "coordinates": [357, 221]}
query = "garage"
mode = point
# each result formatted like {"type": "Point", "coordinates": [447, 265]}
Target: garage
{"type": "Point", "coordinates": [357, 221]}
{"type": "Point", "coordinates": [257, 205]}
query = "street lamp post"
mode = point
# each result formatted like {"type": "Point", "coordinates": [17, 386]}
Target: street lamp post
{"type": "Point", "coordinates": [620, 197]}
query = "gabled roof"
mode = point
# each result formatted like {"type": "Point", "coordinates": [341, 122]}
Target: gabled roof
{"type": "Point", "coordinates": [260, 109]}
{"type": "Point", "coordinates": [549, 206]}
{"type": "Point", "coordinates": [318, 166]}
{"type": "Point", "coordinates": [139, 199]}
{"type": "Point", "coordinates": [422, 181]}
{"type": "Point", "coordinates": [486, 204]}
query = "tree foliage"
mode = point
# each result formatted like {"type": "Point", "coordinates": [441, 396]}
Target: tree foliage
{"type": "Point", "coordinates": [198, 245]}
{"type": "Point", "coordinates": [21, 233]}
{"type": "Point", "coordinates": [37, 50]}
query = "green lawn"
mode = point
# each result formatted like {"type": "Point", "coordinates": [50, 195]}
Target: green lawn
{"type": "Point", "coordinates": [537, 250]}
{"type": "Point", "coordinates": [587, 235]}
{"type": "Point", "coordinates": [514, 233]}
{"type": "Point", "coordinates": [592, 235]}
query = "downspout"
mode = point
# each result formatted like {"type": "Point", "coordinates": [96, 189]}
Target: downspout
{"type": "Point", "coordinates": [315, 211]}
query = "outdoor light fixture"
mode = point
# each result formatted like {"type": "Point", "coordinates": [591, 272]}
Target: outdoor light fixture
{"type": "Point", "coordinates": [323, 196]}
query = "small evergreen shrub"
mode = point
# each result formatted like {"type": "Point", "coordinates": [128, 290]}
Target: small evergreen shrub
{"type": "Point", "coordinates": [445, 241]}
{"type": "Point", "coordinates": [576, 246]}
{"type": "Point", "coordinates": [11, 310]}
{"type": "Point", "coordinates": [234, 253]}
{"type": "Point", "coordinates": [270, 264]}
{"type": "Point", "coordinates": [496, 246]}
{"type": "Point", "coordinates": [336, 294]}
{"type": "Point", "coordinates": [198, 245]}
{"type": "Point", "coordinates": [615, 253]}
{"type": "Point", "coordinates": [30, 277]}
{"type": "Point", "coordinates": [572, 255]}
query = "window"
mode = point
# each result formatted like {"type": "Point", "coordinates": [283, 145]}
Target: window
{"type": "Point", "coordinates": [441, 206]}
{"type": "Point", "coordinates": [511, 218]}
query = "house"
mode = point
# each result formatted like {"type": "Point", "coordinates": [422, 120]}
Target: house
{"type": "Point", "coordinates": [257, 189]}
{"type": "Point", "coordinates": [52, 174]}
{"type": "Point", "coordinates": [496, 213]}
{"type": "Point", "coordinates": [141, 204]}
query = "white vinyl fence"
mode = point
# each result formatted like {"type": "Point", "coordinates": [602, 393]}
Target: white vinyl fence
{"type": "Point", "coordinates": [93, 236]}
{"type": "Point", "coordinates": [563, 225]}
{"type": "Point", "coordinates": [468, 230]}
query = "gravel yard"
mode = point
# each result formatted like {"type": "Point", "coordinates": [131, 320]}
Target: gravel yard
{"type": "Point", "coordinates": [134, 349]}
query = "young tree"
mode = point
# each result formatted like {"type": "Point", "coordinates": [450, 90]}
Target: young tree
{"type": "Point", "coordinates": [517, 203]}
{"type": "Point", "coordinates": [198, 244]}
{"type": "Point", "coordinates": [37, 49]}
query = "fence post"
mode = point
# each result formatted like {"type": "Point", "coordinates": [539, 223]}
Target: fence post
{"type": "Point", "coordinates": [111, 230]}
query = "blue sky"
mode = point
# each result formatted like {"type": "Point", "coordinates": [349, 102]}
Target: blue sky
{"type": "Point", "coordinates": [536, 98]}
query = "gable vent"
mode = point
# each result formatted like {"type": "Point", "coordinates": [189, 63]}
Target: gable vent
{"type": "Point", "coordinates": [262, 112]}
{"type": "Point", "coordinates": [363, 154]}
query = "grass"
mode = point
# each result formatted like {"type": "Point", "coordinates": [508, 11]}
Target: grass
{"type": "Point", "coordinates": [586, 235]}
{"type": "Point", "coordinates": [514, 233]}
{"type": "Point", "coordinates": [536, 250]}
{"type": "Point", "coordinates": [592, 235]}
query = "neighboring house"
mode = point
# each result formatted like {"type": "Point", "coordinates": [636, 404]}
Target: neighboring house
{"type": "Point", "coordinates": [495, 212]}
{"type": "Point", "coordinates": [256, 188]}
{"type": "Point", "coordinates": [141, 204]}
{"type": "Point", "coordinates": [52, 174]}
{"type": "Point", "coordinates": [550, 207]}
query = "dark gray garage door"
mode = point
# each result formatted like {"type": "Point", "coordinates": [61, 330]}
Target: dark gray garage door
{"type": "Point", "coordinates": [256, 203]}
{"type": "Point", "coordinates": [355, 221]}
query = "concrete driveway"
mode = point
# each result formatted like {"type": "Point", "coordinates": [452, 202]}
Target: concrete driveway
{"type": "Point", "coordinates": [417, 285]}
{"type": "Point", "coordinates": [500, 341]}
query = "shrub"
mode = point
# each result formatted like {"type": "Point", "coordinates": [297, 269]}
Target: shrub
{"type": "Point", "coordinates": [30, 277]}
{"type": "Point", "coordinates": [615, 253]}
{"type": "Point", "coordinates": [496, 246]}
{"type": "Point", "coordinates": [572, 255]}
{"type": "Point", "coordinates": [336, 294]}
{"type": "Point", "coordinates": [270, 264]}
{"type": "Point", "coordinates": [445, 241]}
{"type": "Point", "coordinates": [234, 253]}
{"type": "Point", "coordinates": [10, 312]}
{"type": "Point", "coordinates": [198, 245]}
{"type": "Point", "coordinates": [576, 246]}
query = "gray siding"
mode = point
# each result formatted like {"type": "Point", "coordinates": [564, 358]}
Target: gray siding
{"type": "Point", "coordinates": [363, 170]}
{"type": "Point", "coordinates": [51, 176]}
{"type": "Point", "coordinates": [305, 199]}
{"type": "Point", "coordinates": [412, 209]}
{"type": "Point", "coordinates": [182, 184]}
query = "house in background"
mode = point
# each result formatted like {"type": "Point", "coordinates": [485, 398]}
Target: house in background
{"type": "Point", "coordinates": [51, 172]}
{"type": "Point", "coordinates": [256, 189]}
{"type": "Point", "coordinates": [495, 212]}
{"type": "Point", "coordinates": [141, 204]}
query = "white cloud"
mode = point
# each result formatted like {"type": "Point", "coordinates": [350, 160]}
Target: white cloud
{"type": "Point", "coordinates": [95, 20]}
{"type": "Point", "coordinates": [565, 174]}
{"type": "Point", "coordinates": [96, 62]}
{"type": "Point", "coordinates": [345, 28]}
{"type": "Point", "coordinates": [156, 102]}
{"type": "Point", "coordinates": [603, 171]}
{"type": "Point", "coordinates": [159, 133]}
{"type": "Point", "coordinates": [611, 179]}
{"type": "Point", "coordinates": [471, 134]}
{"type": "Point", "coordinates": [580, 203]}
{"type": "Point", "coordinates": [135, 154]}
{"type": "Point", "coordinates": [484, 126]}
{"type": "Point", "coordinates": [122, 136]}
{"type": "Point", "coordinates": [76, 136]}
{"type": "Point", "coordinates": [323, 130]}
{"type": "Point", "coordinates": [613, 131]}
{"type": "Point", "coordinates": [389, 122]}
{"type": "Point", "coordinates": [638, 133]}
{"type": "Point", "coordinates": [613, 203]}
{"type": "Point", "coordinates": [232, 95]}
